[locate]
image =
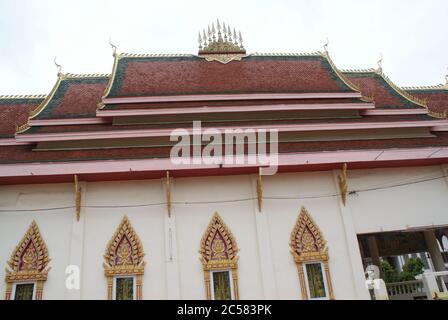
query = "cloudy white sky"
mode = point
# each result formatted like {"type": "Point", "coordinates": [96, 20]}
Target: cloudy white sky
{"type": "Point", "coordinates": [411, 34]}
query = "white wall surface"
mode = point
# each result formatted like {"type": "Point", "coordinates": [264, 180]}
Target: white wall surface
{"type": "Point", "coordinates": [398, 208]}
{"type": "Point", "coordinates": [174, 270]}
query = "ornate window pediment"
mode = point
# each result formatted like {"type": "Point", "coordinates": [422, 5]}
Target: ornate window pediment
{"type": "Point", "coordinates": [309, 250]}
{"type": "Point", "coordinates": [28, 262]}
{"type": "Point", "coordinates": [218, 246]}
{"type": "Point", "coordinates": [219, 253]}
{"type": "Point", "coordinates": [307, 242]}
{"type": "Point", "coordinates": [124, 256]}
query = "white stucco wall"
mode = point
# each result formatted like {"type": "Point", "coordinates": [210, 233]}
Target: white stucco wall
{"type": "Point", "coordinates": [402, 207]}
{"type": "Point", "coordinates": [54, 226]}
{"type": "Point", "coordinates": [173, 270]}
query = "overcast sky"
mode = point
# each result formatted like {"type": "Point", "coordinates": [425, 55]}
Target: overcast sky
{"type": "Point", "coordinates": [411, 34]}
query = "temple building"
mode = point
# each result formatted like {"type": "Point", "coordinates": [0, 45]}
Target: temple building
{"type": "Point", "coordinates": [93, 206]}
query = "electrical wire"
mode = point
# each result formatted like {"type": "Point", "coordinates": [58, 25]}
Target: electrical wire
{"type": "Point", "coordinates": [319, 196]}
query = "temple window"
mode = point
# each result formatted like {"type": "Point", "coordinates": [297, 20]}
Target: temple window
{"type": "Point", "coordinates": [124, 288]}
{"type": "Point", "coordinates": [315, 281]}
{"type": "Point", "coordinates": [221, 285]}
{"type": "Point", "coordinates": [28, 267]}
{"type": "Point", "coordinates": [310, 254]}
{"type": "Point", "coordinates": [24, 291]}
{"type": "Point", "coordinates": [124, 265]}
{"type": "Point", "coordinates": [219, 261]}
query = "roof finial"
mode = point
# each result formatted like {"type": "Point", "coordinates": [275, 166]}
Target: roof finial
{"type": "Point", "coordinates": [446, 78]}
{"type": "Point", "coordinates": [326, 46]}
{"type": "Point", "coordinates": [380, 64]}
{"type": "Point", "coordinates": [58, 66]}
{"type": "Point", "coordinates": [114, 47]}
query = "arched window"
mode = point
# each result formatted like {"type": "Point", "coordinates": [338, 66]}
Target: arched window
{"type": "Point", "coordinates": [123, 264]}
{"type": "Point", "coordinates": [28, 267]}
{"type": "Point", "coordinates": [219, 261]}
{"type": "Point", "coordinates": [310, 253]}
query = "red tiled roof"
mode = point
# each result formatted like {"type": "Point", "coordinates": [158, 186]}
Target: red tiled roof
{"type": "Point", "coordinates": [74, 97]}
{"type": "Point", "coordinates": [156, 76]}
{"type": "Point", "coordinates": [15, 112]}
{"type": "Point", "coordinates": [77, 97]}
{"type": "Point", "coordinates": [437, 99]}
{"type": "Point", "coordinates": [375, 86]}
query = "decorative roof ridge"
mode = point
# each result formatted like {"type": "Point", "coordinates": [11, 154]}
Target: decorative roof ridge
{"type": "Point", "coordinates": [401, 92]}
{"type": "Point", "coordinates": [438, 115]}
{"type": "Point", "coordinates": [341, 76]}
{"type": "Point", "coordinates": [34, 113]}
{"type": "Point", "coordinates": [85, 75]}
{"type": "Point", "coordinates": [292, 54]}
{"type": "Point", "coordinates": [153, 55]}
{"type": "Point", "coordinates": [371, 70]}
{"type": "Point", "coordinates": [22, 96]}
{"type": "Point", "coordinates": [423, 88]}
{"type": "Point", "coordinates": [44, 103]}
{"type": "Point", "coordinates": [117, 57]}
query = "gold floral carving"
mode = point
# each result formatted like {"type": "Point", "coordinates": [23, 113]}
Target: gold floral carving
{"type": "Point", "coordinates": [308, 245]}
{"type": "Point", "coordinates": [219, 251]}
{"type": "Point", "coordinates": [223, 57]}
{"type": "Point", "coordinates": [221, 46]}
{"type": "Point", "coordinates": [28, 262]}
{"type": "Point", "coordinates": [124, 256]}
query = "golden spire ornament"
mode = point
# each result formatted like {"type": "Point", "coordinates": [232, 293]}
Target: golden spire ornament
{"type": "Point", "coordinates": [217, 43]}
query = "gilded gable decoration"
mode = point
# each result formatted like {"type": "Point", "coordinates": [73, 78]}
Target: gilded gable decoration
{"type": "Point", "coordinates": [124, 256]}
{"type": "Point", "coordinates": [221, 44]}
{"type": "Point", "coordinates": [28, 262]}
{"type": "Point", "coordinates": [219, 251]}
{"type": "Point", "coordinates": [308, 245]}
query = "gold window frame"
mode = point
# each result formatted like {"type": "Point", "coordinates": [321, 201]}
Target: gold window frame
{"type": "Point", "coordinates": [309, 246]}
{"type": "Point", "coordinates": [219, 255]}
{"type": "Point", "coordinates": [36, 270]}
{"type": "Point", "coordinates": [134, 267]}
